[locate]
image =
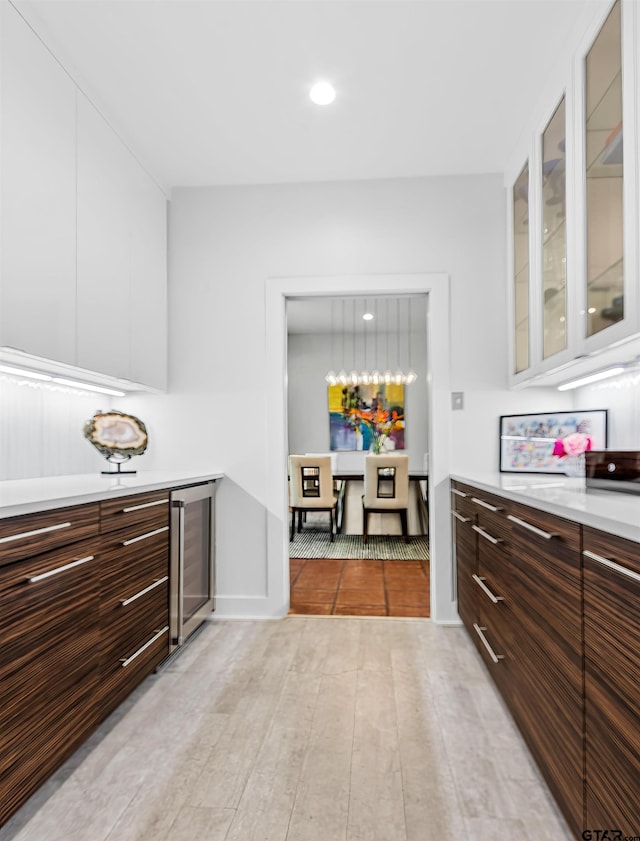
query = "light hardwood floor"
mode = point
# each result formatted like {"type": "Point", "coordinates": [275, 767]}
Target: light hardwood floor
{"type": "Point", "coordinates": [304, 729]}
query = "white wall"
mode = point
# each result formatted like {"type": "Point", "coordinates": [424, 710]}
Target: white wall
{"type": "Point", "coordinates": [308, 360]}
{"type": "Point", "coordinates": [225, 244]}
{"type": "Point", "coordinates": [621, 396]}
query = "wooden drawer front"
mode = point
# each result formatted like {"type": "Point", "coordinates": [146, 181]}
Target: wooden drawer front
{"type": "Point", "coordinates": [494, 636]}
{"type": "Point", "coordinates": [612, 678]}
{"type": "Point", "coordinates": [118, 681]}
{"type": "Point", "coordinates": [461, 501]}
{"type": "Point", "coordinates": [127, 569]}
{"type": "Point", "coordinates": [546, 596]}
{"type": "Point", "coordinates": [549, 712]}
{"type": "Point", "coordinates": [33, 534]}
{"type": "Point", "coordinates": [532, 526]}
{"type": "Point", "coordinates": [139, 513]}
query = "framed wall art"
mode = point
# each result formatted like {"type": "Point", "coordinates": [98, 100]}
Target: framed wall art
{"type": "Point", "coordinates": [536, 443]}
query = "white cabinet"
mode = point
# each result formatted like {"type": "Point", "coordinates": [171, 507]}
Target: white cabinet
{"type": "Point", "coordinates": [83, 226]}
{"type": "Point", "coordinates": [581, 208]}
{"type": "Point", "coordinates": [37, 303]}
{"type": "Point", "coordinates": [121, 258]}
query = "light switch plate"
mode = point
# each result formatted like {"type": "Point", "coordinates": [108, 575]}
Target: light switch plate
{"type": "Point", "coordinates": [457, 400]}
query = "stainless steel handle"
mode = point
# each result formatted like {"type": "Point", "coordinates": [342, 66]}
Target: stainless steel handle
{"type": "Point", "coordinates": [484, 504]}
{"type": "Point", "coordinates": [57, 570]}
{"type": "Point", "coordinates": [180, 574]}
{"type": "Point", "coordinates": [461, 518]}
{"type": "Point", "coordinates": [495, 657]}
{"type": "Point", "coordinates": [480, 582]}
{"type": "Point", "coordinates": [546, 534]}
{"type": "Point", "coordinates": [156, 583]}
{"type": "Point", "coordinates": [611, 565]}
{"type": "Point", "coordinates": [145, 505]}
{"type": "Point", "coordinates": [458, 493]}
{"type": "Point", "coordinates": [126, 660]}
{"type": "Point", "coordinates": [144, 536]}
{"type": "Point", "coordinates": [33, 533]}
{"type": "Point", "coordinates": [487, 536]}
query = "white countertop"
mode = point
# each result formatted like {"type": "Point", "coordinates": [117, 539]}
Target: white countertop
{"type": "Point", "coordinates": [615, 513]}
{"type": "Point", "coordinates": [26, 496]}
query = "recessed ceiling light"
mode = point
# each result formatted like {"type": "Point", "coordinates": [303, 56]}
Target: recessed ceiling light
{"type": "Point", "coordinates": [368, 316]}
{"type": "Point", "coordinates": [322, 93]}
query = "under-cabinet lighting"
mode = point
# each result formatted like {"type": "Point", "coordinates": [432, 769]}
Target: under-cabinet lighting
{"type": "Point", "coordinates": [592, 378]}
{"type": "Point", "coordinates": [77, 384]}
{"type": "Point", "coordinates": [22, 372]}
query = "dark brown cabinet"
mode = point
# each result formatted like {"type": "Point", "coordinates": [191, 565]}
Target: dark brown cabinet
{"type": "Point", "coordinates": [464, 518]}
{"type": "Point", "coordinates": [84, 618]}
{"type": "Point", "coordinates": [612, 681]}
{"type": "Point", "coordinates": [49, 665]}
{"type": "Point", "coordinates": [546, 692]}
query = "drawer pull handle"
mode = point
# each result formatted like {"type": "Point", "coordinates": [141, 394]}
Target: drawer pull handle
{"type": "Point", "coordinates": [145, 505]}
{"type": "Point", "coordinates": [144, 536]}
{"type": "Point", "coordinates": [484, 504]}
{"type": "Point", "coordinates": [458, 493]}
{"type": "Point", "coordinates": [611, 565]}
{"type": "Point", "coordinates": [157, 582]}
{"type": "Point", "coordinates": [461, 518]}
{"type": "Point", "coordinates": [480, 582]}
{"type": "Point", "coordinates": [546, 534]}
{"type": "Point", "coordinates": [487, 536]}
{"type": "Point", "coordinates": [43, 575]}
{"type": "Point", "coordinates": [124, 661]}
{"type": "Point", "coordinates": [33, 533]}
{"type": "Point", "coordinates": [495, 657]}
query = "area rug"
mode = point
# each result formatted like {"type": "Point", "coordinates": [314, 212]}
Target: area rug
{"type": "Point", "coordinates": [316, 544]}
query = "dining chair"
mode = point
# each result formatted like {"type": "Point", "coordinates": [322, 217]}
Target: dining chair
{"type": "Point", "coordinates": [386, 489]}
{"type": "Point", "coordinates": [311, 489]}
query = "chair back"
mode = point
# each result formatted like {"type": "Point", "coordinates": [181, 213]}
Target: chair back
{"type": "Point", "coordinates": [310, 482]}
{"type": "Point", "coordinates": [386, 481]}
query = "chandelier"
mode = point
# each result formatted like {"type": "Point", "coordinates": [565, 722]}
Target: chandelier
{"type": "Point", "coordinates": [378, 374]}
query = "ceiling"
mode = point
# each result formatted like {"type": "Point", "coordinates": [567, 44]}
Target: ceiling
{"type": "Point", "coordinates": [215, 92]}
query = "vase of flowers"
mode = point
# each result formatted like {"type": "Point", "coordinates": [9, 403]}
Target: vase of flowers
{"type": "Point", "coordinates": [572, 449]}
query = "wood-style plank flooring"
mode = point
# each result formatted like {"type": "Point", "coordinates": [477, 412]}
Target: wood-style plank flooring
{"type": "Point", "coordinates": [359, 587]}
{"type": "Point", "coordinates": [304, 729]}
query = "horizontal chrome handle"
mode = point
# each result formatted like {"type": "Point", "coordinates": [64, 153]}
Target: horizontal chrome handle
{"type": "Point", "coordinates": [57, 570]}
{"type": "Point", "coordinates": [461, 518]}
{"type": "Point", "coordinates": [480, 582]}
{"type": "Point", "coordinates": [495, 657]}
{"type": "Point", "coordinates": [611, 565]}
{"type": "Point", "coordinates": [458, 493]}
{"type": "Point", "coordinates": [156, 583]}
{"type": "Point", "coordinates": [145, 505]}
{"type": "Point", "coordinates": [126, 660]}
{"type": "Point", "coordinates": [546, 534]}
{"type": "Point", "coordinates": [144, 536]}
{"type": "Point", "coordinates": [484, 504]}
{"type": "Point", "coordinates": [487, 536]}
{"type": "Point", "coordinates": [34, 532]}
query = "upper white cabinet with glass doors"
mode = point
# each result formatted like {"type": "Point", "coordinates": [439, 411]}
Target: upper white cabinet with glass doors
{"type": "Point", "coordinates": [582, 208]}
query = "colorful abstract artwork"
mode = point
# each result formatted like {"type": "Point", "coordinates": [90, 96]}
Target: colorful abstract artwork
{"type": "Point", "coordinates": [366, 417]}
{"type": "Point", "coordinates": [527, 442]}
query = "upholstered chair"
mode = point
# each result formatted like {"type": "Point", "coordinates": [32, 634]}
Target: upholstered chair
{"type": "Point", "coordinates": [386, 489]}
{"type": "Point", "coordinates": [311, 489]}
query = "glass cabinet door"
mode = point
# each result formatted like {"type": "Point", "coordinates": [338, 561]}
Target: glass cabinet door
{"type": "Point", "coordinates": [604, 177]}
{"type": "Point", "coordinates": [521, 269]}
{"type": "Point", "coordinates": [554, 235]}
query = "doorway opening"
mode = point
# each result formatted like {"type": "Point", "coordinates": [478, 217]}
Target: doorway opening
{"type": "Point", "coordinates": [357, 381]}
{"type": "Point", "coordinates": [436, 288]}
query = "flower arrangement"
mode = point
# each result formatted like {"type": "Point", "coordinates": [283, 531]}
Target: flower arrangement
{"type": "Point", "coordinates": [575, 444]}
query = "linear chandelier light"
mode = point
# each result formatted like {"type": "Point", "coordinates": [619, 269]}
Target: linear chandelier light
{"type": "Point", "coordinates": [365, 376]}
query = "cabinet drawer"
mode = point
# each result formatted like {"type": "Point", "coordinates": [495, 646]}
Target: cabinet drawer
{"type": "Point", "coordinates": [461, 501]}
{"type": "Point", "coordinates": [34, 534]}
{"type": "Point", "coordinates": [142, 512]}
{"type": "Point", "coordinates": [127, 627]}
{"type": "Point", "coordinates": [531, 526]}
{"type": "Point", "coordinates": [128, 566]}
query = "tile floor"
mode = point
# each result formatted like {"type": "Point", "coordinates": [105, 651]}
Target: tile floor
{"type": "Point", "coordinates": [304, 729]}
{"type": "Point", "coordinates": [359, 587]}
